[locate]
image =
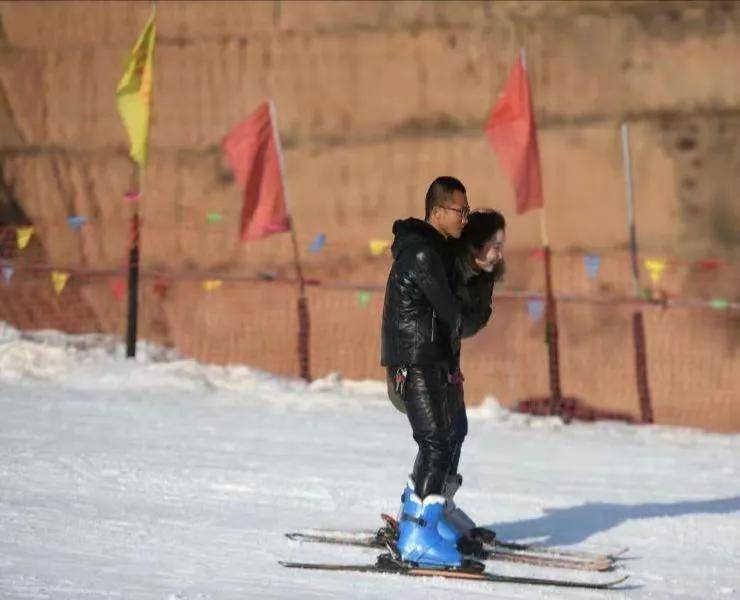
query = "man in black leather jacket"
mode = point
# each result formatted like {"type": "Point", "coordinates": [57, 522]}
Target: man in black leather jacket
{"type": "Point", "coordinates": [421, 327]}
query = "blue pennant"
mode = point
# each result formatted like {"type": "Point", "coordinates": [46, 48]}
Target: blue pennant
{"type": "Point", "coordinates": [535, 308]}
{"type": "Point", "coordinates": [318, 243]}
{"type": "Point", "coordinates": [76, 222]}
{"type": "Point", "coordinates": [592, 262]}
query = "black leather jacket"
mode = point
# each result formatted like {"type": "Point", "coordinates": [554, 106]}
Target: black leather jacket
{"type": "Point", "coordinates": [421, 316]}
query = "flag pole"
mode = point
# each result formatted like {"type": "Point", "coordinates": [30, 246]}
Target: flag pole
{"type": "Point", "coordinates": [627, 161]}
{"type": "Point", "coordinates": [133, 96]}
{"type": "Point", "coordinates": [638, 324]}
{"type": "Point", "coordinates": [133, 267]}
{"type": "Point", "coordinates": [551, 318]}
{"type": "Point", "coordinates": [304, 320]}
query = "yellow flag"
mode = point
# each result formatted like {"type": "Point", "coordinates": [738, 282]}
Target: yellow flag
{"type": "Point", "coordinates": [23, 235]}
{"type": "Point", "coordinates": [377, 247]}
{"type": "Point", "coordinates": [134, 92]}
{"type": "Point", "coordinates": [655, 267]}
{"type": "Point", "coordinates": [210, 285]}
{"type": "Point", "coordinates": [59, 279]}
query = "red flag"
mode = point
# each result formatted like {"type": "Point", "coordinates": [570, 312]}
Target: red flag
{"type": "Point", "coordinates": [252, 149]}
{"type": "Point", "coordinates": [512, 132]}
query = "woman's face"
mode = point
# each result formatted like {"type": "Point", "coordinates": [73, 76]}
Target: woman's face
{"type": "Point", "coordinates": [491, 252]}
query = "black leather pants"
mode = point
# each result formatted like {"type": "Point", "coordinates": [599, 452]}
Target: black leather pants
{"type": "Point", "coordinates": [459, 424]}
{"type": "Point", "coordinates": [430, 413]}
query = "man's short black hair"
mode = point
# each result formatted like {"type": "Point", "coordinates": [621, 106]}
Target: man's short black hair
{"type": "Point", "coordinates": [440, 191]}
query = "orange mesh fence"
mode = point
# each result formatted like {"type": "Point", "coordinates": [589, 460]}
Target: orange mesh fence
{"type": "Point", "coordinates": [250, 315]}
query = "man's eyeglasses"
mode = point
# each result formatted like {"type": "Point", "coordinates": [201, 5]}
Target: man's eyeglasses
{"type": "Point", "coordinates": [464, 211]}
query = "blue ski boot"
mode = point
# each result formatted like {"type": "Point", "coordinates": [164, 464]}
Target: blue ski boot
{"type": "Point", "coordinates": [446, 529]}
{"type": "Point", "coordinates": [409, 489]}
{"type": "Point", "coordinates": [419, 540]}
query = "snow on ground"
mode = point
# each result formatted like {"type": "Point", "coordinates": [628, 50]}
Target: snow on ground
{"type": "Point", "coordinates": [163, 478]}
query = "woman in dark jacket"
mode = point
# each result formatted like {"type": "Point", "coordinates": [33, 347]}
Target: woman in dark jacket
{"type": "Point", "coordinates": [478, 265]}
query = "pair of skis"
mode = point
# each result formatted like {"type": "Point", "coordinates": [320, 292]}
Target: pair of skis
{"type": "Point", "coordinates": [472, 570]}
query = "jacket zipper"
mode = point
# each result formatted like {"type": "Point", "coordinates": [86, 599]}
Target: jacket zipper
{"type": "Point", "coordinates": [433, 321]}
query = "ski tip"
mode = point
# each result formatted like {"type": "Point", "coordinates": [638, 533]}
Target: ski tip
{"type": "Point", "coordinates": [290, 565]}
{"type": "Point", "coordinates": [614, 582]}
{"type": "Point", "coordinates": [389, 519]}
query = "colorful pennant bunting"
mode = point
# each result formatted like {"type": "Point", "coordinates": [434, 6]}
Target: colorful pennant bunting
{"type": "Point", "coordinates": [118, 287]}
{"type": "Point", "coordinates": [23, 235]}
{"type": "Point", "coordinates": [535, 308]}
{"type": "Point", "coordinates": [363, 298]}
{"type": "Point", "coordinates": [210, 285]}
{"type": "Point", "coordinates": [59, 279]}
{"type": "Point", "coordinates": [719, 304]}
{"type": "Point", "coordinates": [318, 243]}
{"type": "Point", "coordinates": [710, 263]}
{"type": "Point", "coordinates": [378, 247]}
{"type": "Point", "coordinates": [592, 262]}
{"type": "Point", "coordinates": [655, 267]}
{"type": "Point", "coordinates": [538, 254]}
{"type": "Point", "coordinates": [161, 285]}
{"type": "Point", "coordinates": [77, 221]}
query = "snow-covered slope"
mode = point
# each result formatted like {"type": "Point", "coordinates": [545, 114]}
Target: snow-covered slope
{"type": "Point", "coordinates": [164, 478]}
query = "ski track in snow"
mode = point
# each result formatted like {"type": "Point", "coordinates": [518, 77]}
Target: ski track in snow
{"type": "Point", "coordinates": [162, 478]}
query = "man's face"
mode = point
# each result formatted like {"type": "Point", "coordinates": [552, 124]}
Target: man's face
{"type": "Point", "coordinates": [454, 215]}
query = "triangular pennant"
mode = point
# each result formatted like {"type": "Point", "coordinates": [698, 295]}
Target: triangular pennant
{"type": "Point", "coordinates": [131, 196]}
{"type": "Point", "coordinates": [118, 287]}
{"type": "Point", "coordinates": [655, 267]}
{"type": "Point", "coordinates": [209, 285]}
{"type": "Point", "coordinates": [161, 285]}
{"type": "Point", "coordinates": [535, 308]}
{"type": "Point", "coordinates": [318, 243]}
{"type": "Point", "coordinates": [7, 274]}
{"type": "Point", "coordinates": [538, 253]}
{"type": "Point", "coordinates": [377, 247]}
{"type": "Point", "coordinates": [710, 263]}
{"type": "Point", "coordinates": [59, 279]}
{"type": "Point", "coordinates": [24, 236]}
{"type": "Point", "coordinates": [77, 221]}
{"type": "Point", "coordinates": [720, 304]}
{"type": "Point", "coordinates": [363, 298]}
{"type": "Point", "coordinates": [592, 262]}
{"type": "Point", "coordinates": [214, 217]}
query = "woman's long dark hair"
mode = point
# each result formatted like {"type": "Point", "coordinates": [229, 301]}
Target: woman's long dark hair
{"type": "Point", "coordinates": [482, 225]}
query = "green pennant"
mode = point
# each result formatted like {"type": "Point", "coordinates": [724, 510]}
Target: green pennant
{"type": "Point", "coordinates": [214, 217]}
{"type": "Point", "coordinates": [720, 304]}
{"type": "Point", "coordinates": [363, 298]}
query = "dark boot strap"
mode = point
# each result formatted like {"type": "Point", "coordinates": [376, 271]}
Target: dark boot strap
{"type": "Point", "coordinates": [418, 520]}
